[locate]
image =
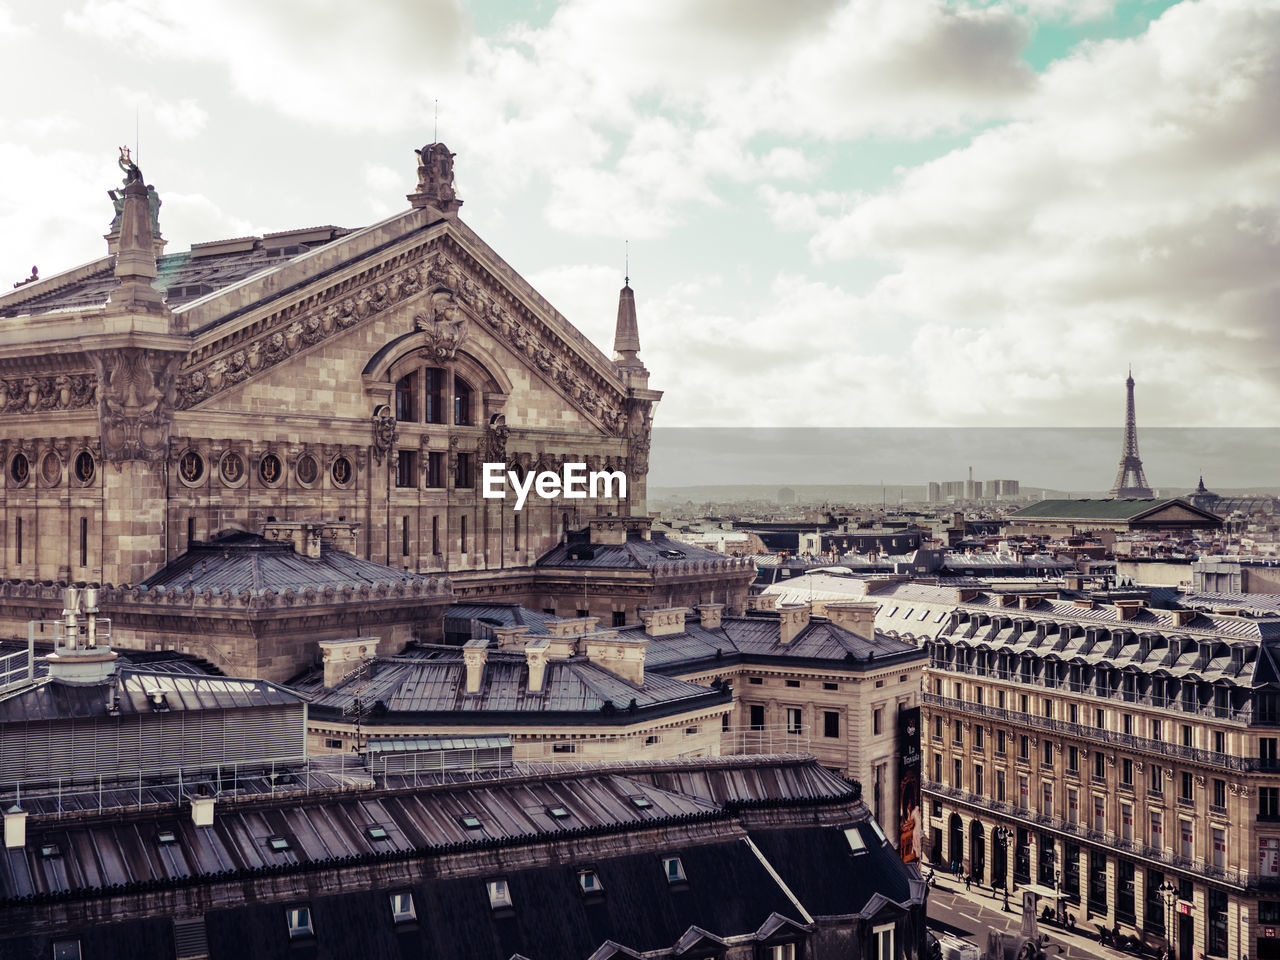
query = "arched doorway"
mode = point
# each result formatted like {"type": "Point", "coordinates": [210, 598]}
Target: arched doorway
{"type": "Point", "coordinates": [977, 851]}
{"type": "Point", "coordinates": [955, 842]}
{"type": "Point", "coordinates": [999, 858]}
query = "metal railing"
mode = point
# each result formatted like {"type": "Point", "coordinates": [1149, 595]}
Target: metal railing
{"type": "Point", "coordinates": [1098, 735]}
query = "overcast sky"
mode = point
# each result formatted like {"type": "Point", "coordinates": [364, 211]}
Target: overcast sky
{"type": "Point", "coordinates": [864, 213]}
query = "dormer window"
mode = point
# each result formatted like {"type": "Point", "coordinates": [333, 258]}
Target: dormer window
{"type": "Point", "coordinates": [856, 843]}
{"type": "Point", "coordinates": [298, 921]}
{"type": "Point", "coordinates": [499, 894]}
{"type": "Point", "coordinates": [674, 870]}
{"type": "Point", "coordinates": [589, 881]}
{"type": "Point", "coordinates": [402, 908]}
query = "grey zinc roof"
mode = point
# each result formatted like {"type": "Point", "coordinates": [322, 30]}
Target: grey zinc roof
{"type": "Point", "coordinates": [246, 561]}
{"type": "Point", "coordinates": [181, 276]}
{"type": "Point", "coordinates": [434, 682]}
{"type": "Point", "coordinates": [498, 615]}
{"type": "Point", "coordinates": [758, 638]}
{"type": "Point", "coordinates": [636, 554]}
{"type": "Point", "coordinates": [48, 699]}
{"type": "Point", "coordinates": [101, 851]}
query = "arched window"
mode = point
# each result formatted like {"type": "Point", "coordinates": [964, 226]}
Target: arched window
{"type": "Point", "coordinates": [406, 391]}
{"type": "Point", "coordinates": [434, 380]}
{"type": "Point", "coordinates": [462, 394]}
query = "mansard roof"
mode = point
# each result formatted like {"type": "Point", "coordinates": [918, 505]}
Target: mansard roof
{"type": "Point", "coordinates": [639, 553]}
{"type": "Point", "coordinates": [239, 561]}
{"type": "Point", "coordinates": [757, 639]}
{"type": "Point", "coordinates": [430, 684]}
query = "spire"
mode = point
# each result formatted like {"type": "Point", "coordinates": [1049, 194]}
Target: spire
{"type": "Point", "coordinates": [1131, 479]}
{"type": "Point", "coordinates": [626, 337]}
{"type": "Point", "coordinates": [135, 251]}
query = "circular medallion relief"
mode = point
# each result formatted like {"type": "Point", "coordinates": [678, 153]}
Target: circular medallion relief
{"type": "Point", "coordinates": [19, 469]}
{"type": "Point", "coordinates": [232, 469]}
{"type": "Point", "coordinates": [341, 471]}
{"type": "Point", "coordinates": [270, 470]}
{"type": "Point", "coordinates": [85, 467]}
{"type": "Point", "coordinates": [50, 469]}
{"type": "Point", "coordinates": [191, 468]}
{"type": "Point", "coordinates": [308, 470]}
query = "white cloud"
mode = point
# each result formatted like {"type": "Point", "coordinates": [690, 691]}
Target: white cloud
{"type": "Point", "coordinates": [1132, 212]}
{"type": "Point", "coordinates": [371, 66]}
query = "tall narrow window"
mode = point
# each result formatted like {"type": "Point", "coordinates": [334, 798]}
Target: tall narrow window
{"type": "Point", "coordinates": [434, 382]}
{"type": "Point", "coordinates": [463, 479]}
{"type": "Point", "coordinates": [461, 402]}
{"type": "Point", "coordinates": [406, 468]}
{"type": "Point", "coordinates": [462, 530]}
{"type": "Point", "coordinates": [84, 541]}
{"type": "Point", "coordinates": [406, 389]}
{"type": "Point", "coordinates": [404, 536]}
{"type": "Point", "coordinates": [435, 535]}
{"type": "Point", "coordinates": [515, 530]}
{"type": "Point", "coordinates": [17, 536]}
{"type": "Point", "coordinates": [435, 468]}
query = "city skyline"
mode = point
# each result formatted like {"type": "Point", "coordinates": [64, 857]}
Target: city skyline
{"type": "Point", "coordinates": [976, 214]}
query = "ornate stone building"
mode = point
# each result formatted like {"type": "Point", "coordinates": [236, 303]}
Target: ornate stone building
{"type": "Point", "coordinates": [148, 401]}
{"type": "Point", "coordinates": [329, 380]}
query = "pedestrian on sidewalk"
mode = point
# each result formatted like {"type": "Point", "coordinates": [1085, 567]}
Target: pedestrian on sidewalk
{"type": "Point", "coordinates": [968, 880]}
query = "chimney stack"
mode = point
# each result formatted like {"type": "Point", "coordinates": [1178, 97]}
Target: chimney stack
{"type": "Point", "coordinates": [619, 655]}
{"type": "Point", "coordinates": [711, 615]}
{"type": "Point", "coordinates": [565, 634]}
{"type": "Point", "coordinates": [340, 657]}
{"type": "Point", "coordinates": [792, 618]}
{"type": "Point", "coordinates": [857, 618]}
{"type": "Point", "coordinates": [535, 655]}
{"type": "Point", "coordinates": [664, 622]}
{"type": "Point", "coordinates": [474, 654]}
{"type": "Point", "coordinates": [202, 811]}
{"type": "Point", "coordinates": [15, 828]}
{"type": "Point", "coordinates": [510, 638]}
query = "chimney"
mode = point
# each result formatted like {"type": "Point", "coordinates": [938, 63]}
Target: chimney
{"type": "Point", "coordinates": [340, 535]}
{"type": "Point", "coordinates": [202, 811]}
{"type": "Point", "coordinates": [763, 601]}
{"type": "Point", "coordinates": [792, 618]}
{"type": "Point", "coordinates": [510, 638]}
{"type": "Point", "coordinates": [607, 531]}
{"type": "Point", "coordinates": [665, 622]}
{"type": "Point", "coordinates": [341, 657]}
{"type": "Point", "coordinates": [474, 654]}
{"type": "Point", "coordinates": [306, 538]}
{"type": "Point", "coordinates": [1087, 604]}
{"type": "Point", "coordinates": [1008, 600]}
{"type": "Point", "coordinates": [1183, 617]}
{"type": "Point", "coordinates": [535, 655]}
{"type": "Point", "coordinates": [966, 594]}
{"type": "Point", "coordinates": [565, 635]}
{"type": "Point", "coordinates": [710, 615]}
{"type": "Point", "coordinates": [15, 828]}
{"type": "Point", "coordinates": [1128, 609]}
{"type": "Point", "coordinates": [857, 618]}
{"type": "Point", "coordinates": [623, 656]}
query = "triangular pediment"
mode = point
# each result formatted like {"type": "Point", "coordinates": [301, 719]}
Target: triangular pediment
{"type": "Point", "coordinates": [435, 282]}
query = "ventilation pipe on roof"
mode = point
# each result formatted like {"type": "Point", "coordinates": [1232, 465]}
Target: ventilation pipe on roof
{"type": "Point", "coordinates": [202, 811]}
{"type": "Point", "coordinates": [15, 828]}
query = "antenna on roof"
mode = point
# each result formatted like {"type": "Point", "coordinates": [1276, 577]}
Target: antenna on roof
{"type": "Point", "coordinates": [626, 263]}
{"type": "Point", "coordinates": [137, 136]}
{"type": "Point", "coordinates": [435, 128]}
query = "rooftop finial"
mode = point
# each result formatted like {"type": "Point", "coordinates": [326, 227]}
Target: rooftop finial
{"type": "Point", "coordinates": [626, 263]}
{"type": "Point", "coordinates": [435, 180]}
{"type": "Point", "coordinates": [626, 337]}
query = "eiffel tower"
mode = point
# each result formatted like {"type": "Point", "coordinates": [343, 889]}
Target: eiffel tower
{"type": "Point", "coordinates": [1131, 481]}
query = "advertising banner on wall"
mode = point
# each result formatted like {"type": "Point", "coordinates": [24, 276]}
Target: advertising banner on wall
{"type": "Point", "coordinates": [909, 784]}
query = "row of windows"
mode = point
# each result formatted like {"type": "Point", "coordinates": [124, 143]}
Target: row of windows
{"type": "Point", "coordinates": [19, 545]}
{"type": "Point", "coordinates": [83, 469]}
{"type": "Point", "coordinates": [429, 404]}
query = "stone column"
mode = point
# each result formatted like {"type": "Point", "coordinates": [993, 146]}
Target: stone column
{"type": "Point", "coordinates": [134, 523]}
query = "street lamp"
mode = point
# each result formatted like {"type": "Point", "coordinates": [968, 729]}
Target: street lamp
{"type": "Point", "coordinates": [1169, 894]}
{"type": "Point", "coordinates": [1002, 835]}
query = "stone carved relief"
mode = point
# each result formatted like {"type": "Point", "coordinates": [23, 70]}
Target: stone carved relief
{"type": "Point", "coordinates": [638, 431]}
{"type": "Point", "coordinates": [444, 325]}
{"type": "Point", "coordinates": [135, 402]}
{"type": "Point", "coordinates": [35, 394]}
{"type": "Point", "coordinates": [385, 433]}
{"type": "Point", "coordinates": [455, 296]}
{"type": "Point", "coordinates": [495, 439]}
{"type": "Point", "coordinates": [435, 174]}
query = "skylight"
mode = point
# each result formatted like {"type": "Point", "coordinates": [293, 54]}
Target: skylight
{"type": "Point", "coordinates": [278, 844]}
{"type": "Point", "coordinates": [856, 843]}
{"type": "Point", "coordinates": [376, 832]}
{"type": "Point", "coordinates": [641, 803]}
{"type": "Point", "coordinates": [166, 837]}
{"type": "Point", "coordinates": [589, 880]}
{"type": "Point", "coordinates": [674, 869]}
{"type": "Point", "coordinates": [879, 833]}
{"type": "Point", "coordinates": [470, 821]}
{"type": "Point", "coordinates": [499, 894]}
{"type": "Point", "coordinates": [558, 813]}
